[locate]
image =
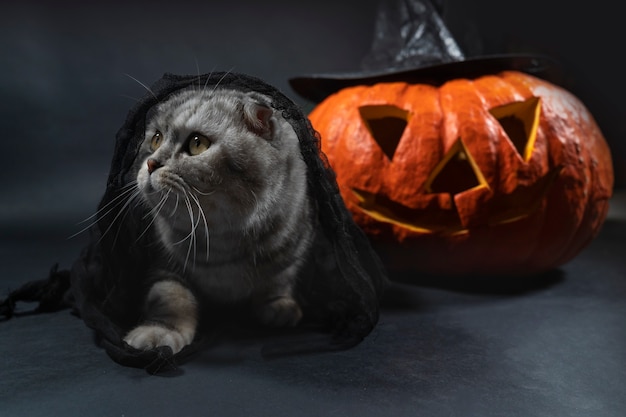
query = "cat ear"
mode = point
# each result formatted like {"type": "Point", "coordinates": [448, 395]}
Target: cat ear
{"type": "Point", "coordinates": [258, 118]}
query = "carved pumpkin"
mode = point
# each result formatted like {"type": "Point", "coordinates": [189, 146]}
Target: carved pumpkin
{"type": "Point", "coordinates": [505, 173]}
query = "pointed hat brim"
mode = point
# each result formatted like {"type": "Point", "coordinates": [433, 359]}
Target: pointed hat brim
{"type": "Point", "coordinates": [316, 87]}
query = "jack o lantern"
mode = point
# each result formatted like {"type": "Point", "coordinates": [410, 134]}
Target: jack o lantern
{"type": "Point", "coordinates": [504, 173]}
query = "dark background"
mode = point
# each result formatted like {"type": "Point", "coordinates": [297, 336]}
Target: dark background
{"type": "Point", "coordinates": [547, 346]}
{"type": "Point", "coordinates": [65, 91]}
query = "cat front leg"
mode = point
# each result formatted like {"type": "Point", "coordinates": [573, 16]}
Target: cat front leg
{"type": "Point", "coordinates": [273, 303]}
{"type": "Point", "coordinates": [280, 311]}
{"type": "Point", "coordinates": [171, 317]}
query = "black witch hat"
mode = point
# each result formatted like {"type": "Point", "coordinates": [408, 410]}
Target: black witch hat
{"type": "Point", "coordinates": [412, 44]}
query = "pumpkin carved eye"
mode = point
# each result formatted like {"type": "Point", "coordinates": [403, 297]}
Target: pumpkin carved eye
{"type": "Point", "coordinates": [519, 121]}
{"type": "Point", "coordinates": [386, 124]}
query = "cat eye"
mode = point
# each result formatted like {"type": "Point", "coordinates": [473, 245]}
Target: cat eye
{"type": "Point", "coordinates": [156, 141]}
{"type": "Point", "coordinates": [198, 144]}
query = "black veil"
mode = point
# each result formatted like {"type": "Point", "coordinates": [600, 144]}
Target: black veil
{"type": "Point", "coordinates": [107, 281]}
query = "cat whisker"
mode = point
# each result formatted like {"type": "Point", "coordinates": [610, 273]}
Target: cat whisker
{"type": "Point", "coordinates": [197, 70]}
{"type": "Point", "coordinates": [195, 239]}
{"type": "Point", "coordinates": [202, 193]}
{"type": "Point", "coordinates": [143, 85]}
{"type": "Point", "coordinates": [222, 78]}
{"type": "Point", "coordinates": [192, 233]}
{"type": "Point", "coordinates": [206, 226]}
{"type": "Point", "coordinates": [187, 236]}
{"type": "Point", "coordinates": [188, 205]}
{"type": "Point", "coordinates": [130, 97]}
{"type": "Point", "coordinates": [114, 202]}
{"type": "Point", "coordinates": [154, 213]}
{"type": "Point", "coordinates": [175, 205]}
{"type": "Point", "coordinates": [181, 187]}
{"type": "Point", "coordinates": [206, 82]}
{"type": "Point", "coordinates": [109, 207]}
{"type": "Point", "coordinates": [81, 231]}
{"type": "Point", "coordinates": [123, 210]}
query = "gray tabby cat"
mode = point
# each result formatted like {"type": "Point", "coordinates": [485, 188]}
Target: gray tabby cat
{"type": "Point", "coordinates": [226, 183]}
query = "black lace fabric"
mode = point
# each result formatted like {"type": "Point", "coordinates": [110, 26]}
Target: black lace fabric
{"type": "Point", "coordinates": [345, 279]}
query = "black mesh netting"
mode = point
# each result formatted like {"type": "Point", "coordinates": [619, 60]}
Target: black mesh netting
{"type": "Point", "coordinates": [340, 297]}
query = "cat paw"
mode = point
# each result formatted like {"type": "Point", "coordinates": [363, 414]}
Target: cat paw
{"type": "Point", "coordinates": [280, 312]}
{"type": "Point", "coordinates": [150, 336]}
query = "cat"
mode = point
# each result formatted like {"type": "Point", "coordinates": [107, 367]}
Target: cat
{"type": "Point", "coordinates": [219, 203]}
{"type": "Point", "coordinates": [222, 174]}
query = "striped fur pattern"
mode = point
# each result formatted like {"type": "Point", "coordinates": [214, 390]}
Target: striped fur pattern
{"type": "Point", "coordinates": [224, 185]}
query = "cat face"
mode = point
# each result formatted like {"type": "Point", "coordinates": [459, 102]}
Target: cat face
{"type": "Point", "coordinates": [215, 156]}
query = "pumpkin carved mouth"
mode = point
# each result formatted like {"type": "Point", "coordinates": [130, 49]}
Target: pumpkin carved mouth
{"type": "Point", "coordinates": [447, 219]}
{"type": "Point", "coordinates": [457, 178]}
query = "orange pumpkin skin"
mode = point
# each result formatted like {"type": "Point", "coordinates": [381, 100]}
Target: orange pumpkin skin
{"type": "Point", "coordinates": [505, 173]}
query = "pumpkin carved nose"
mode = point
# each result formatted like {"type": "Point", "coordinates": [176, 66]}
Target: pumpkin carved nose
{"type": "Point", "coordinates": [153, 165]}
{"type": "Point", "coordinates": [455, 173]}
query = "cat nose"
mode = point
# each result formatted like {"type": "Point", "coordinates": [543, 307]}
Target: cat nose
{"type": "Point", "coordinates": [153, 165]}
